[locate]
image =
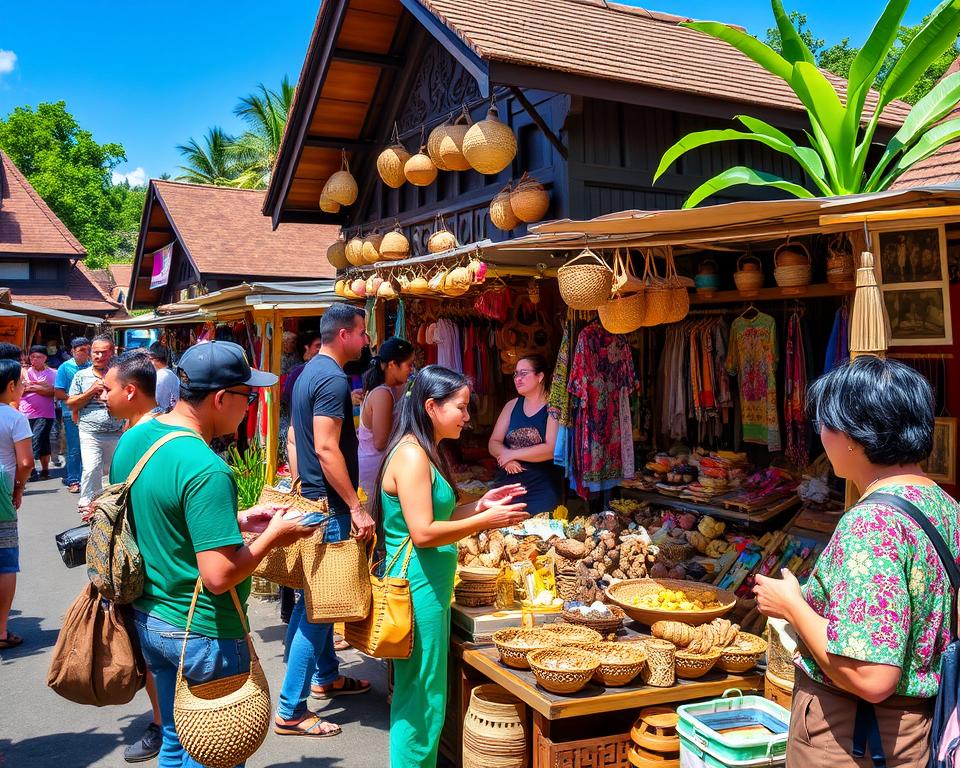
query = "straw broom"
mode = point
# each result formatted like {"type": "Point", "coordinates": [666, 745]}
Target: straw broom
{"type": "Point", "coordinates": [869, 324]}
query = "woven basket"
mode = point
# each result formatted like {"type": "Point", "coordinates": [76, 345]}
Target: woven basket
{"type": "Point", "coordinates": [501, 214]}
{"type": "Point", "coordinates": [433, 145]}
{"type": "Point", "coordinates": [585, 281]}
{"type": "Point", "coordinates": [623, 592]}
{"type": "Point", "coordinates": [529, 200]}
{"type": "Point", "coordinates": [327, 205]}
{"type": "Point", "coordinates": [679, 304]}
{"type": "Point", "coordinates": [619, 662]}
{"type": "Point", "coordinates": [336, 581]}
{"type": "Point", "coordinates": [494, 730]}
{"type": "Point", "coordinates": [779, 661]}
{"type": "Point", "coordinates": [489, 145]}
{"type": "Point", "coordinates": [748, 279]}
{"type": "Point", "coordinates": [607, 627]}
{"type": "Point", "coordinates": [571, 634]}
{"type": "Point", "coordinates": [359, 287]}
{"type": "Point", "coordinates": [578, 668]}
{"type": "Point", "coordinates": [450, 147]}
{"type": "Point", "coordinates": [474, 601]}
{"type": "Point", "coordinates": [394, 246]}
{"type": "Point", "coordinates": [354, 251]}
{"type": "Point", "coordinates": [390, 164]}
{"type": "Point", "coordinates": [341, 187]}
{"type": "Point", "coordinates": [567, 582]}
{"type": "Point", "coordinates": [788, 271]}
{"type": "Point", "coordinates": [656, 309]}
{"type": "Point", "coordinates": [622, 313]}
{"type": "Point", "coordinates": [690, 666]}
{"type": "Point", "coordinates": [840, 266]}
{"type": "Point", "coordinates": [676, 553]}
{"type": "Point", "coordinates": [370, 251]}
{"type": "Point", "coordinates": [514, 644]}
{"type": "Point", "coordinates": [742, 656]}
{"type": "Point", "coordinates": [337, 254]}
{"type": "Point", "coordinates": [658, 669]}
{"type": "Point", "coordinates": [419, 170]}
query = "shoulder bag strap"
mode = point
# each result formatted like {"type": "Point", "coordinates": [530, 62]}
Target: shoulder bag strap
{"type": "Point", "coordinates": [193, 607]}
{"type": "Point", "coordinates": [135, 472]}
{"type": "Point", "coordinates": [946, 556]}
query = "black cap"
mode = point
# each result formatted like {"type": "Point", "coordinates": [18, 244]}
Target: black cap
{"type": "Point", "coordinates": [213, 365]}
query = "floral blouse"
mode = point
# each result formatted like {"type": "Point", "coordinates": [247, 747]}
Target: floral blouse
{"type": "Point", "coordinates": [881, 586]}
{"type": "Point", "coordinates": [752, 358]}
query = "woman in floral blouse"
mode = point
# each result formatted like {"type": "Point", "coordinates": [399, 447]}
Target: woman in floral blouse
{"type": "Point", "coordinates": [874, 618]}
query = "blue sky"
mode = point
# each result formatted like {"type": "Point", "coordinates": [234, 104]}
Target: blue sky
{"type": "Point", "coordinates": [151, 76]}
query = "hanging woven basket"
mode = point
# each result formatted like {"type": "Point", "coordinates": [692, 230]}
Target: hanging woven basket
{"type": "Point", "coordinates": [840, 259]}
{"type": "Point", "coordinates": [373, 284]}
{"type": "Point", "coordinates": [501, 212]}
{"type": "Point", "coordinates": [341, 187]}
{"type": "Point", "coordinates": [585, 281]}
{"type": "Point", "coordinates": [749, 274]}
{"type": "Point", "coordinates": [489, 145]}
{"type": "Point", "coordinates": [354, 251]}
{"type": "Point", "coordinates": [386, 290]}
{"type": "Point", "coordinates": [656, 309]}
{"type": "Point", "coordinates": [792, 265]}
{"type": "Point", "coordinates": [337, 253]}
{"type": "Point", "coordinates": [327, 205]}
{"type": "Point", "coordinates": [390, 163]}
{"type": "Point", "coordinates": [339, 286]}
{"type": "Point", "coordinates": [420, 170]}
{"type": "Point", "coordinates": [359, 287]}
{"type": "Point", "coordinates": [679, 296]}
{"type": "Point", "coordinates": [442, 238]}
{"type": "Point", "coordinates": [371, 248]}
{"type": "Point", "coordinates": [450, 147]}
{"type": "Point", "coordinates": [529, 200]}
{"type": "Point", "coordinates": [395, 246]}
{"type": "Point", "coordinates": [622, 313]}
{"type": "Point", "coordinates": [437, 135]}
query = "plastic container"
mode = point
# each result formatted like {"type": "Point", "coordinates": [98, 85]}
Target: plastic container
{"type": "Point", "coordinates": [734, 730]}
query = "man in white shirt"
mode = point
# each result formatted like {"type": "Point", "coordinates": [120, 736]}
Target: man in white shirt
{"type": "Point", "coordinates": [168, 385]}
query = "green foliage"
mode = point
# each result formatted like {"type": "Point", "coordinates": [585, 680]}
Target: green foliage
{"type": "Point", "coordinates": [894, 59]}
{"type": "Point", "coordinates": [250, 471]}
{"type": "Point", "coordinates": [72, 173]}
{"type": "Point", "coordinates": [246, 160]}
{"type": "Point", "coordinates": [799, 21]}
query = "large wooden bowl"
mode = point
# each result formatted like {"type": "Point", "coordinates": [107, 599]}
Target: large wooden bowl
{"type": "Point", "coordinates": [623, 592]}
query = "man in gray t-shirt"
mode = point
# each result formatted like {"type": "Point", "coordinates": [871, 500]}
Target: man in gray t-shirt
{"type": "Point", "coordinates": [99, 431]}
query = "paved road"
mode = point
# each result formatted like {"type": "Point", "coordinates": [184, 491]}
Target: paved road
{"type": "Point", "coordinates": [41, 730]}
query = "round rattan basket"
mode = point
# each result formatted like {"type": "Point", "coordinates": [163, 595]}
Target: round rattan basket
{"type": "Point", "coordinates": [341, 187]}
{"type": "Point", "coordinates": [489, 145]}
{"type": "Point", "coordinates": [419, 170]}
{"type": "Point", "coordinates": [501, 214]}
{"type": "Point", "coordinates": [390, 164]}
{"type": "Point", "coordinates": [327, 205]}
{"type": "Point", "coordinates": [478, 600]}
{"type": "Point", "coordinates": [623, 593]}
{"type": "Point", "coordinates": [529, 200]}
{"type": "Point", "coordinates": [676, 552]}
{"type": "Point", "coordinates": [394, 246]}
{"type": "Point", "coordinates": [620, 663]}
{"type": "Point", "coordinates": [433, 145]}
{"type": "Point", "coordinates": [790, 269]}
{"type": "Point", "coordinates": [441, 240]}
{"type": "Point", "coordinates": [562, 670]}
{"type": "Point", "coordinates": [373, 284]}
{"type": "Point", "coordinates": [494, 730]}
{"type": "Point", "coordinates": [679, 304]}
{"type": "Point", "coordinates": [749, 274]}
{"type": "Point", "coordinates": [514, 644]}
{"type": "Point", "coordinates": [449, 149]}
{"type": "Point", "coordinates": [585, 281]}
{"type": "Point", "coordinates": [337, 254]}
{"type": "Point", "coordinates": [572, 634]}
{"type": "Point", "coordinates": [743, 655]}
{"type": "Point", "coordinates": [690, 666]}
{"type": "Point", "coordinates": [370, 252]}
{"type": "Point", "coordinates": [658, 669]}
{"type": "Point", "coordinates": [623, 314]}
{"type": "Point", "coordinates": [606, 626]}
{"type": "Point", "coordinates": [354, 251]}
{"type": "Point", "coordinates": [779, 661]}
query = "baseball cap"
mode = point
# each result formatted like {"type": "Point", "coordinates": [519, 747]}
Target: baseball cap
{"type": "Point", "coordinates": [214, 365]}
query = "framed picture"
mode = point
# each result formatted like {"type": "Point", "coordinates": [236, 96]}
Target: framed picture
{"type": "Point", "coordinates": [912, 255]}
{"type": "Point", "coordinates": [942, 463]}
{"type": "Point", "coordinates": [918, 316]}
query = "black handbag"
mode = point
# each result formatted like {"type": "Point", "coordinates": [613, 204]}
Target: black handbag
{"type": "Point", "coordinates": [72, 544]}
{"type": "Point", "coordinates": [945, 730]}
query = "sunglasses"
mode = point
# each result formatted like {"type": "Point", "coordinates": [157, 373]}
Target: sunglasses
{"type": "Point", "coordinates": [521, 374]}
{"type": "Point", "coordinates": [251, 396]}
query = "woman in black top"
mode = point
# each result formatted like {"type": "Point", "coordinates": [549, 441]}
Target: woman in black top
{"type": "Point", "coordinates": [524, 438]}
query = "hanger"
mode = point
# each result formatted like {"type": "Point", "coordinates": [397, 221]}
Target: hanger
{"type": "Point", "coordinates": [751, 307]}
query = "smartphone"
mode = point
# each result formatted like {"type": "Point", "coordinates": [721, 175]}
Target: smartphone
{"type": "Point", "coordinates": [314, 518]}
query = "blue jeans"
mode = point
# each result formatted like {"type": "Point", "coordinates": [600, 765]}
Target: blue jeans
{"type": "Point", "coordinates": [74, 464]}
{"type": "Point", "coordinates": [207, 658]}
{"type": "Point", "coordinates": [311, 659]}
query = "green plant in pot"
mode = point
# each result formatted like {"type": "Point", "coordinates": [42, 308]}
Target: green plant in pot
{"type": "Point", "coordinates": [250, 470]}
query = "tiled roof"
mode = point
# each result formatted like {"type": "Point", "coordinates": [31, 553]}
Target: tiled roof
{"type": "Point", "coordinates": [226, 233]}
{"type": "Point", "coordinates": [609, 41]}
{"type": "Point", "coordinates": [83, 293]}
{"type": "Point", "coordinates": [27, 225]}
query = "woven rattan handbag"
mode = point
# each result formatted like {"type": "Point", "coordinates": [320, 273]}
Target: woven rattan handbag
{"type": "Point", "coordinates": [387, 632]}
{"type": "Point", "coordinates": [283, 565]}
{"type": "Point", "coordinates": [222, 722]}
{"type": "Point", "coordinates": [336, 581]}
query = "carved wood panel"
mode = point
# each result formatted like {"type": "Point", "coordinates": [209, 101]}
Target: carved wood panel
{"type": "Point", "coordinates": [441, 87]}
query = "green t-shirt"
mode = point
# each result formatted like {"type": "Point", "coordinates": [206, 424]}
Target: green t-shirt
{"type": "Point", "coordinates": [184, 502]}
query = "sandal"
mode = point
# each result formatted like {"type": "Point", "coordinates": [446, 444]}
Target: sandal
{"type": "Point", "coordinates": [10, 641]}
{"type": "Point", "coordinates": [300, 728]}
{"type": "Point", "coordinates": [339, 644]}
{"type": "Point", "coordinates": [350, 687]}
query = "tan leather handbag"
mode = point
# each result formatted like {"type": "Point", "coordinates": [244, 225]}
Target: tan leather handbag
{"type": "Point", "coordinates": [336, 580]}
{"type": "Point", "coordinates": [222, 722]}
{"type": "Point", "coordinates": [387, 632]}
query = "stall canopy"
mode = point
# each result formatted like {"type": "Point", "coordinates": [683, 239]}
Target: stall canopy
{"type": "Point", "coordinates": [7, 302]}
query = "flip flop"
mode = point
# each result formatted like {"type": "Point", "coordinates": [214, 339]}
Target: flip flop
{"type": "Point", "coordinates": [350, 687]}
{"type": "Point", "coordinates": [339, 644]}
{"type": "Point", "coordinates": [312, 731]}
{"type": "Point", "coordinates": [10, 641]}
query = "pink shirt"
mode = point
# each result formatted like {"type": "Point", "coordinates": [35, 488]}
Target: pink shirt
{"type": "Point", "coordinates": [34, 405]}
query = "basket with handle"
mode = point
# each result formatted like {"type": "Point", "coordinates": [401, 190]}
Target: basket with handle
{"type": "Point", "coordinates": [336, 580]}
{"type": "Point", "coordinates": [749, 274]}
{"type": "Point", "coordinates": [679, 304]}
{"type": "Point", "coordinates": [222, 722]}
{"type": "Point", "coordinates": [622, 313]}
{"type": "Point", "coordinates": [791, 268]}
{"type": "Point", "coordinates": [585, 281]}
{"type": "Point", "coordinates": [840, 259]}
{"type": "Point", "coordinates": [656, 294]}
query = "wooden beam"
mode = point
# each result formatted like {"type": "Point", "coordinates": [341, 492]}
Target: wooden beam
{"type": "Point", "coordinates": [370, 59]}
{"type": "Point", "coordinates": [333, 142]}
{"type": "Point", "coordinates": [539, 121]}
{"type": "Point", "coordinates": [941, 211]}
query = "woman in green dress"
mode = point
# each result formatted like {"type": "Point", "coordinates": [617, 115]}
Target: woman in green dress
{"type": "Point", "coordinates": [417, 499]}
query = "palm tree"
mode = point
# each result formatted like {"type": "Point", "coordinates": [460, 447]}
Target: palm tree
{"type": "Point", "coordinates": [265, 113]}
{"type": "Point", "coordinates": [211, 163]}
{"type": "Point", "coordinates": [840, 135]}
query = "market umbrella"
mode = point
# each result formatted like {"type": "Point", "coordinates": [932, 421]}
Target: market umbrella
{"type": "Point", "coordinates": [869, 324]}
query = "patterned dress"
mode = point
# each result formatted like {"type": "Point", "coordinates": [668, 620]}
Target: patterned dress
{"type": "Point", "coordinates": [881, 586]}
{"type": "Point", "coordinates": [752, 358]}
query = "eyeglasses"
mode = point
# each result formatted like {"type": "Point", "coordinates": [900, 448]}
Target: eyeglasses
{"type": "Point", "coordinates": [251, 396]}
{"type": "Point", "coordinates": [521, 374]}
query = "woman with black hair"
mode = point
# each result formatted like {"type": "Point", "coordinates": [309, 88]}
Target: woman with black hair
{"type": "Point", "coordinates": [383, 381]}
{"type": "Point", "coordinates": [417, 501]}
{"type": "Point", "coordinates": [874, 618]}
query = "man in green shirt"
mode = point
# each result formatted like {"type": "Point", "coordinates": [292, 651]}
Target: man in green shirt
{"type": "Point", "coordinates": [184, 513]}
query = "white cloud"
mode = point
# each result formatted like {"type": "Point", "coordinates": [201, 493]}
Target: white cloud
{"type": "Point", "coordinates": [136, 178]}
{"type": "Point", "coordinates": [8, 61]}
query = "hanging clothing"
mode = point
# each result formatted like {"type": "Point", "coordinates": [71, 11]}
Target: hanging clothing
{"type": "Point", "coordinates": [838, 346]}
{"type": "Point", "coordinates": [400, 324]}
{"type": "Point", "coordinates": [540, 478]}
{"type": "Point", "coordinates": [752, 358]}
{"type": "Point", "coordinates": [446, 335]}
{"type": "Point", "coordinates": [559, 397]}
{"type": "Point", "coordinates": [795, 391]}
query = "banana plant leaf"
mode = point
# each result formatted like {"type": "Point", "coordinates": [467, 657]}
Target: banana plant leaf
{"type": "Point", "coordinates": [738, 175]}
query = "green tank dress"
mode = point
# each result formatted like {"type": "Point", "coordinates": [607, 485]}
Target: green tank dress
{"type": "Point", "coordinates": [420, 683]}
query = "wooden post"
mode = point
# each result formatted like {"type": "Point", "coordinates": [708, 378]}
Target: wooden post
{"type": "Point", "coordinates": [272, 339]}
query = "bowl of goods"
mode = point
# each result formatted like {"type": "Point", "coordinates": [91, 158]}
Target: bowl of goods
{"type": "Point", "coordinates": [477, 573]}
{"type": "Point", "coordinates": [742, 654]}
{"type": "Point", "coordinates": [650, 600]}
{"type": "Point", "coordinates": [562, 670]}
{"type": "Point", "coordinates": [514, 644]}
{"type": "Point", "coordinates": [620, 663]}
{"type": "Point", "coordinates": [570, 634]}
{"type": "Point", "coordinates": [607, 621]}
{"type": "Point", "coordinates": [690, 665]}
